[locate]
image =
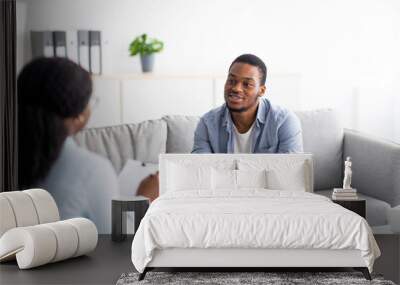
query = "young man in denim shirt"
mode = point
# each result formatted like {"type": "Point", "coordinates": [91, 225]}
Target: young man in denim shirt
{"type": "Point", "coordinates": [248, 122]}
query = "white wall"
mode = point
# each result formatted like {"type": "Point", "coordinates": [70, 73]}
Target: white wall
{"type": "Point", "coordinates": [346, 51]}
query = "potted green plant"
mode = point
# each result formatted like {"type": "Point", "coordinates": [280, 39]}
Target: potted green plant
{"type": "Point", "coordinates": [146, 47]}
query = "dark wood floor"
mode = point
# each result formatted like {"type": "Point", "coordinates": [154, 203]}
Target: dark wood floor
{"type": "Point", "coordinates": [110, 259]}
{"type": "Point", "coordinates": [102, 266]}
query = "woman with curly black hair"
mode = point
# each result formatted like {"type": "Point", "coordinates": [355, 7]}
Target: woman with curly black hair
{"type": "Point", "coordinates": [53, 104]}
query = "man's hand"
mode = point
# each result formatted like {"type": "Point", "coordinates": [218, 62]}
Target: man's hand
{"type": "Point", "coordinates": [149, 187]}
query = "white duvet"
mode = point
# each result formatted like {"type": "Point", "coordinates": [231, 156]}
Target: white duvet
{"type": "Point", "coordinates": [252, 218]}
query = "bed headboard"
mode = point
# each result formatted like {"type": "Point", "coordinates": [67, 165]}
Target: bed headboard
{"type": "Point", "coordinates": [277, 162]}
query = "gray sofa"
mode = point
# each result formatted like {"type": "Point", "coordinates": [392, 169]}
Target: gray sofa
{"type": "Point", "coordinates": [376, 163]}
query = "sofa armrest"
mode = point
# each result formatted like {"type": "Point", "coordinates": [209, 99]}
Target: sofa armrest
{"type": "Point", "coordinates": [376, 166]}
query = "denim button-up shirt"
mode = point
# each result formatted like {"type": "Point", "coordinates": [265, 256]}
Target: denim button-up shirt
{"type": "Point", "coordinates": [276, 130]}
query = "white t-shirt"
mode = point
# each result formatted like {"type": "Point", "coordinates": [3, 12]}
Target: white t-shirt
{"type": "Point", "coordinates": [242, 142]}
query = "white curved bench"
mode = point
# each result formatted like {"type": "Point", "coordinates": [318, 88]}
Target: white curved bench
{"type": "Point", "coordinates": [31, 231]}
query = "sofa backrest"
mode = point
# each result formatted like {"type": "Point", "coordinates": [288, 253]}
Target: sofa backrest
{"type": "Point", "coordinates": [143, 141]}
{"type": "Point", "coordinates": [322, 136]}
{"type": "Point", "coordinates": [180, 133]}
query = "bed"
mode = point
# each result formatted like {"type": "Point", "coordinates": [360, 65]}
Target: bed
{"type": "Point", "coordinates": [245, 211]}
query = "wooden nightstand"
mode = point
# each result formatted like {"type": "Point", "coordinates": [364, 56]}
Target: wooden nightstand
{"type": "Point", "coordinates": [357, 206]}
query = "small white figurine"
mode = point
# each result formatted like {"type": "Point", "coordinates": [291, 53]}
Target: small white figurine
{"type": "Point", "coordinates": [347, 173]}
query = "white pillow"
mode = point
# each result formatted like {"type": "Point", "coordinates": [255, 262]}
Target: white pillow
{"type": "Point", "coordinates": [226, 179]}
{"type": "Point", "coordinates": [251, 179]}
{"type": "Point", "coordinates": [181, 177]}
{"type": "Point", "coordinates": [282, 174]}
{"type": "Point", "coordinates": [132, 174]}
{"type": "Point", "coordinates": [292, 178]}
{"type": "Point", "coordinates": [223, 179]}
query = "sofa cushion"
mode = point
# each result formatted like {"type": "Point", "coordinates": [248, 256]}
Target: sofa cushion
{"type": "Point", "coordinates": [323, 137]}
{"type": "Point", "coordinates": [180, 135]}
{"type": "Point", "coordinates": [376, 209]}
{"type": "Point", "coordinates": [143, 141]}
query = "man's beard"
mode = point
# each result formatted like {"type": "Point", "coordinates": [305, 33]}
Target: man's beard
{"type": "Point", "coordinates": [239, 110]}
{"type": "Point", "coordinates": [242, 109]}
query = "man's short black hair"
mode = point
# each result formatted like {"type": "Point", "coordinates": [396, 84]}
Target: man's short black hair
{"type": "Point", "coordinates": [255, 61]}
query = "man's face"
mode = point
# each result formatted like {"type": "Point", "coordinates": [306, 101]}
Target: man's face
{"type": "Point", "coordinates": [242, 87]}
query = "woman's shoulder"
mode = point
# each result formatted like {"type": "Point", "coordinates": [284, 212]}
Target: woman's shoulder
{"type": "Point", "coordinates": [85, 160]}
{"type": "Point", "coordinates": [78, 168]}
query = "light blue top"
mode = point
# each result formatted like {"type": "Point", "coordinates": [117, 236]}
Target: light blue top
{"type": "Point", "coordinates": [82, 184]}
{"type": "Point", "coordinates": [276, 130]}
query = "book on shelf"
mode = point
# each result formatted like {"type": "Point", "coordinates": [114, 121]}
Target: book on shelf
{"type": "Point", "coordinates": [344, 197]}
{"type": "Point", "coordinates": [344, 194]}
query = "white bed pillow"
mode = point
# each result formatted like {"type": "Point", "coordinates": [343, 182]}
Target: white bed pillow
{"type": "Point", "coordinates": [251, 179]}
{"type": "Point", "coordinates": [226, 179]}
{"type": "Point", "coordinates": [223, 179]}
{"type": "Point", "coordinates": [181, 177]}
{"type": "Point", "coordinates": [287, 174]}
{"type": "Point", "coordinates": [292, 178]}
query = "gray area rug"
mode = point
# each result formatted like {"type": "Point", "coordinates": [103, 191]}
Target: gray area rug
{"type": "Point", "coordinates": [226, 278]}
